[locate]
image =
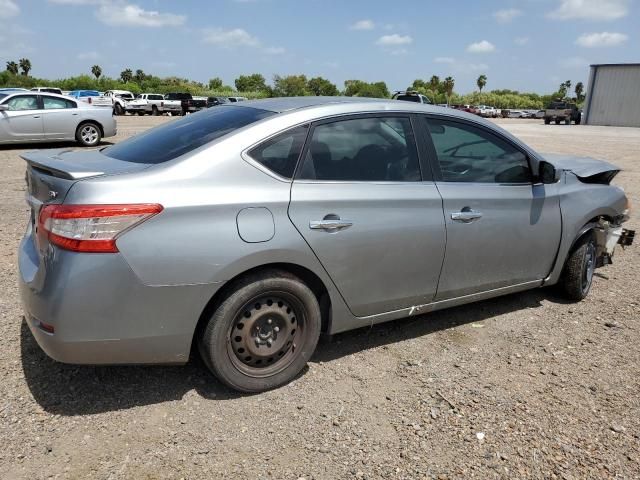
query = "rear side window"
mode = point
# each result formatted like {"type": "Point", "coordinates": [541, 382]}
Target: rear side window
{"type": "Point", "coordinates": [176, 138]}
{"type": "Point", "coordinates": [52, 103]}
{"type": "Point", "coordinates": [363, 149]}
{"type": "Point", "coordinates": [280, 153]}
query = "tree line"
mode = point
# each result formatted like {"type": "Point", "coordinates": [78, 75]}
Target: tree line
{"type": "Point", "coordinates": [255, 86]}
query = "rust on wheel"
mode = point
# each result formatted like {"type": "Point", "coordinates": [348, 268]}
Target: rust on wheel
{"type": "Point", "coordinates": [266, 333]}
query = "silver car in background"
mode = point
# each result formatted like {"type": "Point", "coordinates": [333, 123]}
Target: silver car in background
{"type": "Point", "coordinates": [250, 228]}
{"type": "Point", "coordinates": [27, 117]}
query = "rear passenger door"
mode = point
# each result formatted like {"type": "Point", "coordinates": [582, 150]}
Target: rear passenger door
{"type": "Point", "coordinates": [60, 117]}
{"type": "Point", "coordinates": [368, 212]}
{"type": "Point", "coordinates": [502, 228]}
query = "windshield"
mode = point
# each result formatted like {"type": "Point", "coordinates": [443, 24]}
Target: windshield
{"type": "Point", "coordinates": [176, 138]}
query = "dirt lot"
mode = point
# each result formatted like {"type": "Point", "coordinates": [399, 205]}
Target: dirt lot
{"type": "Point", "coordinates": [525, 386]}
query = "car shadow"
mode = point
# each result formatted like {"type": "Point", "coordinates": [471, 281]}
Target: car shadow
{"type": "Point", "coordinates": [71, 390]}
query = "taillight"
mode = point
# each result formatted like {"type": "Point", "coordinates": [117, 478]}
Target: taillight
{"type": "Point", "coordinates": [91, 228]}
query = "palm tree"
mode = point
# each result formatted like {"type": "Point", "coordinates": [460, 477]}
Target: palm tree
{"type": "Point", "coordinates": [139, 76]}
{"type": "Point", "coordinates": [434, 84]}
{"type": "Point", "coordinates": [579, 89]}
{"type": "Point", "coordinates": [448, 85]}
{"type": "Point", "coordinates": [126, 75]}
{"type": "Point", "coordinates": [97, 71]}
{"type": "Point", "coordinates": [12, 67]}
{"type": "Point", "coordinates": [481, 82]}
{"type": "Point", "coordinates": [25, 66]}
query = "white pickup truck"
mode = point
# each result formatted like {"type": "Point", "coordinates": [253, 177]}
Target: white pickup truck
{"type": "Point", "coordinates": [153, 104]}
{"type": "Point", "coordinates": [119, 100]}
{"type": "Point", "coordinates": [488, 112]}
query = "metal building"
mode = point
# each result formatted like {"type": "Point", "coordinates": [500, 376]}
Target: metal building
{"type": "Point", "coordinates": [613, 95]}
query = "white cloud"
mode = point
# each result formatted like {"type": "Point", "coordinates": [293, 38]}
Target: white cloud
{"type": "Point", "coordinates": [521, 40]}
{"type": "Point", "coordinates": [603, 39]}
{"type": "Point", "coordinates": [394, 39]}
{"type": "Point", "coordinates": [481, 47]}
{"type": "Point", "coordinates": [8, 9]}
{"type": "Point", "coordinates": [88, 55]}
{"type": "Point", "coordinates": [590, 10]}
{"type": "Point", "coordinates": [363, 25]}
{"type": "Point", "coordinates": [506, 15]}
{"type": "Point", "coordinates": [230, 38]}
{"type": "Point", "coordinates": [444, 60]}
{"type": "Point", "coordinates": [274, 50]}
{"type": "Point", "coordinates": [122, 14]}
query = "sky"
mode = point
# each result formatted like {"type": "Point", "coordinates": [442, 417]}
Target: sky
{"type": "Point", "coordinates": [526, 45]}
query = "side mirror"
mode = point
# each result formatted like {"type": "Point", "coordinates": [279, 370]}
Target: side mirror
{"type": "Point", "coordinates": [4, 108]}
{"type": "Point", "coordinates": [547, 173]}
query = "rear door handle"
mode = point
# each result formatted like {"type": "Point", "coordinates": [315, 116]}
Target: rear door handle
{"type": "Point", "coordinates": [329, 225]}
{"type": "Point", "coordinates": [466, 216]}
{"type": "Point", "coordinates": [36, 116]}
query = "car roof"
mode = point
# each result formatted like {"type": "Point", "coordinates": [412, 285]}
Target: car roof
{"type": "Point", "coordinates": [287, 104]}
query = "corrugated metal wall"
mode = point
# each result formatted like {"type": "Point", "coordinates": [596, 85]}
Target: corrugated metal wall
{"type": "Point", "coordinates": [613, 96]}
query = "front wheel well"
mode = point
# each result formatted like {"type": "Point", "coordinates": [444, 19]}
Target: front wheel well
{"type": "Point", "coordinates": [314, 282]}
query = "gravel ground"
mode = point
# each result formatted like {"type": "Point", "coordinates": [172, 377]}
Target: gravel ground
{"type": "Point", "coordinates": [524, 386]}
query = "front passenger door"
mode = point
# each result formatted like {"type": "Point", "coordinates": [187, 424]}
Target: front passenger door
{"type": "Point", "coordinates": [22, 121]}
{"type": "Point", "coordinates": [502, 229]}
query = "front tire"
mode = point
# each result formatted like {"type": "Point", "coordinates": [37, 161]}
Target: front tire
{"type": "Point", "coordinates": [547, 121]}
{"type": "Point", "coordinates": [118, 109]}
{"type": "Point", "coordinates": [577, 275]}
{"type": "Point", "coordinates": [263, 333]}
{"type": "Point", "coordinates": [154, 110]}
{"type": "Point", "coordinates": [88, 134]}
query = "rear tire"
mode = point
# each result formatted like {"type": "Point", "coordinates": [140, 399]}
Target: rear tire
{"type": "Point", "coordinates": [141, 113]}
{"type": "Point", "coordinates": [557, 121]}
{"type": "Point", "coordinates": [547, 121]}
{"type": "Point", "coordinates": [263, 333]}
{"type": "Point", "coordinates": [118, 109]}
{"type": "Point", "coordinates": [88, 134]}
{"type": "Point", "coordinates": [577, 121]}
{"type": "Point", "coordinates": [577, 275]}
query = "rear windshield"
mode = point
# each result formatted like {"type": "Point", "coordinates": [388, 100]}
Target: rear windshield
{"type": "Point", "coordinates": [408, 98]}
{"type": "Point", "coordinates": [178, 137]}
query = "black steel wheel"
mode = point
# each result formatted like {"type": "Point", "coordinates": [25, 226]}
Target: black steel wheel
{"type": "Point", "coordinates": [263, 333]}
{"type": "Point", "coordinates": [577, 276]}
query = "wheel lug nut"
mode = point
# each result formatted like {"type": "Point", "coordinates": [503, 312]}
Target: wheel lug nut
{"type": "Point", "coordinates": [276, 329]}
{"type": "Point", "coordinates": [269, 321]}
{"type": "Point", "coordinates": [268, 343]}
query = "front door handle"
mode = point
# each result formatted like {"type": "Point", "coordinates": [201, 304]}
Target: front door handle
{"type": "Point", "coordinates": [36, 116]}
{"type": "Point", "coordinates": [330, 224]}
{"type": "Point", "coordinates": [466, 215]}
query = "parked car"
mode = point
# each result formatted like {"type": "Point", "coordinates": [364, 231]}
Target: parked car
{"type": "Point", "coordinates": [187, 103]}
{"type": "Point", "coordinates": [237, 99]}
{"type": "Point", "coordinates": [47, 117]}
{"type": "Point", "coordinates": [13, 89]}
{"type": "Point", "coordinates": [294, 216]}
{"type": "Point", "coordinates": [119, 100]}
{"type": "Point", "coordinates": [566, 112]}
{"type": "Point", "coordinates": [92, 97]}
{"type": "Point", "coordinates": [215, 101]}
{"type": "Point", "coordinates": [47, 90]}
{"type": "Point", "coordinates": [409, 96]}
{"type": "Point", "coordinates": [487, 111]}
{"type": "Point", "coordinates": [152, 104]}
{"type": "Point", "coordinates": [516, 114]}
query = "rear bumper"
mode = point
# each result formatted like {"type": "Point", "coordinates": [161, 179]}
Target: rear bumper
{"type": "Point", "coordinates": [110, 127]}
{"type": "Point", "coordinates": [101, 313]}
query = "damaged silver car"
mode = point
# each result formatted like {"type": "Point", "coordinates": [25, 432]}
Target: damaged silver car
{"type": "Point", "coordinates": [250, 228]}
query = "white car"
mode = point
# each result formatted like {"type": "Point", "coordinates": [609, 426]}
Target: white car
{"type": "Point", "coordinates": [488, 112]}
{"type": "Point", "coordinates": [47, 117]}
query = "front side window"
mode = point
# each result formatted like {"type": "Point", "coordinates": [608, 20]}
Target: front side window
{"type": "Point", "coordinates": [280, 153]}
{"type": "Point", "coordinates": [471, 154]}
{"type": "Point", "coordinates": [52, 103]}
{"type": "Point", "coordinates": [363, 149]}
{"type": "Point", "coordinates": [173, 139]}
{"type": "Point", "coordinates": [23, 102]}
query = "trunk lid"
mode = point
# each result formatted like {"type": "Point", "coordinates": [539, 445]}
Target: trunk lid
{"type": "Point", "coordinates": [587, 169]}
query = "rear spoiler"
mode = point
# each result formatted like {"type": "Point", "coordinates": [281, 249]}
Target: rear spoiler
{"type": "Point", "coordinates": [49, 162]}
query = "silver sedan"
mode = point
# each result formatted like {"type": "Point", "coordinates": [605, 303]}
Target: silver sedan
{"type": "Point", "coordinates": [27, 117]}
{"type": "Point", "coordinates": [249, 228]}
